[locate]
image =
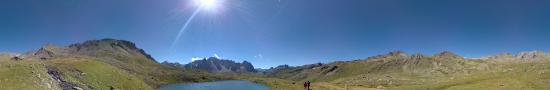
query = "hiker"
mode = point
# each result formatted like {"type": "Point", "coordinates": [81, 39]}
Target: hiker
{"type": "Point", "coordinates": [308, 84]}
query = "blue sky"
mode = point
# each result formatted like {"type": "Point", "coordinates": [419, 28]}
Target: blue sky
{"type": "Point", "coordinates": [274, 32]}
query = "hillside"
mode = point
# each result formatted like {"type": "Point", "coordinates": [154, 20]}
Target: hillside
{"type": "Point", "coordinates": [95, 64]}
{"type": "Point", "coordinates": [445, 70]}
{"type": "Point", "coordinates": [117, 64]}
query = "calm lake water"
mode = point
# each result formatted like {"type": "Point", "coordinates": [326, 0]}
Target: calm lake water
{"type": "Point", "coordinates": [218, 85]}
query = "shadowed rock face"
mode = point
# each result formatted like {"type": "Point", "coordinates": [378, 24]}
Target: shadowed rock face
{"type": "Point", "coordinates": [213, 64]}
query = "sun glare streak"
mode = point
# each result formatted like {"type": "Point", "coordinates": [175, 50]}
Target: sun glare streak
{"type": "Point", "coordinates": [185, 27]}
{"type": "Point", "coordinates": [208, 5]}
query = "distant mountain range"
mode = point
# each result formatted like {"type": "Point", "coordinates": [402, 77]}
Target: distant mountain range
{"type": "Point", "coordinates": [108, 64]}
{"type": "Point", "coordinates": [214, 64]}
{"type": "Point", "coordinates": [398, 70]}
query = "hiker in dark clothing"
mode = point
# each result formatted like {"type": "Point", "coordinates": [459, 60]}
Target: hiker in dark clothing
{"type": "Point", "coordinates": [306, 85]}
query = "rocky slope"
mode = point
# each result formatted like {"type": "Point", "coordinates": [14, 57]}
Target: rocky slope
{"type": "Point", "coordinates": [441, 63]}
{"type": "Point", "coordinates": [445, 70]}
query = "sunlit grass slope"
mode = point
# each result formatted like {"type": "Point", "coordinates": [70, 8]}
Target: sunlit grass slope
{"type": "Point", "coordinates": [97, 75]}
{"type": "Point", "coordinates": [25, 76]}
{"type": "Point", "coordinates": [443, 71]}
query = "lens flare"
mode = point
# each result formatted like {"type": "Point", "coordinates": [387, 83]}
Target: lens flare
{"type": "Point", "coordinates": [184, 27]}
{"type": "Point", "coordinates": [210, 5]}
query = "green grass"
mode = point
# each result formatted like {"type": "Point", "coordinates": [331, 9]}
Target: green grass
{"type": "Point", "coordinates": [32, 75]}
{"type": "Point", "coordinates": [24, 75]}
{"type": "Point", "coordinates": [98, 75]}
{"type": "Point", "coordinates": [510, 76]}
{"type": "Point", "coordinates": [431, 74]}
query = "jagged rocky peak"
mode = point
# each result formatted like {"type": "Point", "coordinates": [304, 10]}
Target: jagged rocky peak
{"type": "Point", "coordinates": [281, 67]}
{"type": "Point", "coordinates": [214, 64]}
{"type": "Point", "coordinates": [247, 67]}
{"type": "Point", "coordinates": [46, 52]}
{"type": "Point", "coordinates": [447, 54]}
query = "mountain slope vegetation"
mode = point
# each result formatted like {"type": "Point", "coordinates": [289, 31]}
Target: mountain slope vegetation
{"type": "Point", "coordinates": [445, 70]}
{"type": "Point", "coordinates": [95, 64]}
{"type": "Point", "coordinates": [109, 64]}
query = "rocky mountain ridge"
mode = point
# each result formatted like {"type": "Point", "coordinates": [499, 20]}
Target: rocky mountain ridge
{"type": "Point", "coordinates": [441, 63]}
{"type": "Point", "coordinates": [214, 64]}
{"type": "Point", "coordinates": [95, 48]}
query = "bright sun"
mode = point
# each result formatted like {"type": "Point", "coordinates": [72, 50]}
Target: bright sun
{"type": "Point", "coordinates": [209, 4]}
